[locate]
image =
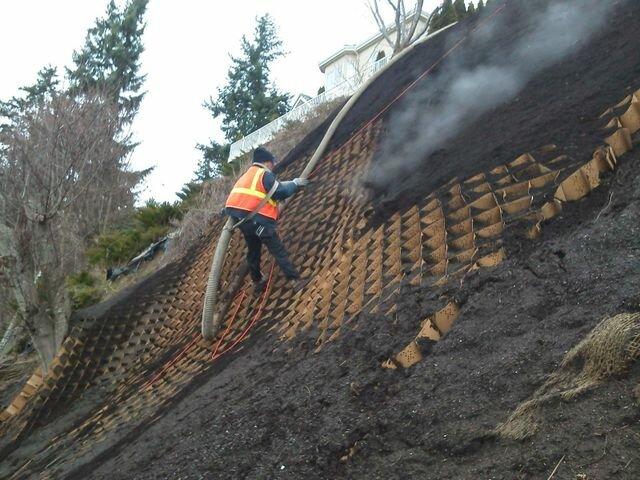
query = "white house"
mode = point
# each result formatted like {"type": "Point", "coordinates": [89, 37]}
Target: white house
{"type": "Point", "coordinates": [352, 62]}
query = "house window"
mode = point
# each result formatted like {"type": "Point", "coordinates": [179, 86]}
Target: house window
{"type": "Point", "coordinates": [381, 55]}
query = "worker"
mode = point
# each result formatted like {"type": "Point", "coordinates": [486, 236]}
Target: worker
{"type": "Point", "coordinates": [247, 195]}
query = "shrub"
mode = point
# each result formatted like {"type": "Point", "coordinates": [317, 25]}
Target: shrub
{"type": "Point", "coordinates": [149, 224]}
{"type": "Point", "coordinates": [83, 290]}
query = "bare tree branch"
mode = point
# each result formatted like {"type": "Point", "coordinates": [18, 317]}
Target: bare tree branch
{"type": "Point", "coordinates": [380, 21]}
{"type": "Point", "coordinates": [416, 16]}
{"type": "Point", "coordinates": [398, 22]}
{"type": "Point", "coordinates": [60, 177]}
{"type": "Point", "coordinates": [428, 23]}
{"type": "Point", "coordinates": [405, 24]}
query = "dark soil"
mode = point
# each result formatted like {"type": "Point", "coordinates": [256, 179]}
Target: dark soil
{"type": "Point", "coordinates": [295, 415]}
{"type": "Point", "coordinates": [337, 414]}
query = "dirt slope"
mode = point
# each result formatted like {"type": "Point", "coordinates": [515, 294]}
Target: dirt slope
{"type": "Point", "coordinates": [295, 415]}
{"type": "Point", "coordinates": [279, 410]}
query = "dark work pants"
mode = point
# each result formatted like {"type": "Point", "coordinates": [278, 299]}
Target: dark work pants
{"type": "Point", "coordinates": [255, 235]}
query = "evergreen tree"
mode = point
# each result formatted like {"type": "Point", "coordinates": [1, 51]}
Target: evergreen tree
{"type": "Point", "coordinates": [109, 64]}
{"type": "Point", "coordinates": [213, 162]}
{"type": "Point", "coordinates": [460, 8]}
{"type": "Point", "coordinates": [445, 16]}
{"type": "Point", "coordinates": [110, 58]}
{"type": "Point", "coordinates": [480, 5]}
{"type": "Point", "coordinates": [471, 10]}
{"type": "Point", "coordinates": [36, 95]}
{"type": "Point", "coordinates": [248, 100]}
{"type": "Point", "coordinates": [188, 195]}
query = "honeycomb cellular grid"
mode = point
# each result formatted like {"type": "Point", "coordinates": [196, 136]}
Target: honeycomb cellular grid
{"type": "Point", "coordinates": [446, 236]}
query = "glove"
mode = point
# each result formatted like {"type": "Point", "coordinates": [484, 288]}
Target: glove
{"type": "Point", "coordinates": [301, 182]}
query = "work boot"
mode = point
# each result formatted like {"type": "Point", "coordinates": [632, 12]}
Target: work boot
{"type": "Point", "coordinates": [259, 286]}
{"type": "Point", "coordinates": [298, 284]}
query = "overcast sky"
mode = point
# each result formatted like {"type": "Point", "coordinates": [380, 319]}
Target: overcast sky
{"type": "Point", "coordinates": [186, 58]}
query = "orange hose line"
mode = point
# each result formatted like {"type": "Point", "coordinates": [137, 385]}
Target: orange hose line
{"type": "Point", "coordinates": [183, 351]}
{"type": "Point", "coordinates": [255, 317]}
{"type": "Point", "coordinates": [172, 362]}
{"type": "Point", "coordinates": [215, 354]}
{"type": "Point", "coordinates": [231, 320]}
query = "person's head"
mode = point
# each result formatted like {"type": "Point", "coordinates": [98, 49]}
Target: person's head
{"type": "Point", "coordinates": [265, 157]}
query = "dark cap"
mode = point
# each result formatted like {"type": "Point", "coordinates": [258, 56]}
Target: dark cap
{"type": "Point", "coordinates": [262, 155]}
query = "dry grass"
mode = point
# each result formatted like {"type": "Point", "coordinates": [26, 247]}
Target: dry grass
{"type": "Point", "coordinates": [207, 206]}
{"type": "Point", "coordinates": [109, 289]}
{"type": "Point", "coordinates": [606, 352]}
{"type": "Point", "coordinates": [294, 132]}
{"type": "Point", "coordinates": [14, 368]}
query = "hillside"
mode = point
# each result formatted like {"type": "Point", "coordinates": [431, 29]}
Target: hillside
{"type": "Point", "coordinates": [473, 245]}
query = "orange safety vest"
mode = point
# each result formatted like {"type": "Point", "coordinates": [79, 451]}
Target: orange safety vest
{"type": "Point", "coordinates": [248, 192]}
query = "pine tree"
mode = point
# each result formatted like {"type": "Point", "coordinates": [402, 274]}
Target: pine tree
{"type": "Point", "coordinates": [36, 95]}
{"type": "Point", "coordinates": [188, 195]}
{"type": "Point", "coordinates": [213, 162]}
{"type": "Point", "coordinates": [471, 10]}
{"type": "Point", "coordinates": [249, 100]}
{"type": "Point", "coordinates": [460, 8]}
{"type": "Point", "coordinates": [480, 5]}
{"type": "Point", "coordinates": [109, 64]}
{"type": "Point", "coordinates": [110, 58]}
{"type": "Point", "coordinates": [446, 16]}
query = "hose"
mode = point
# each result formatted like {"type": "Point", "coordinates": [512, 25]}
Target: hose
{"type": "Point", "coordinates": [210, 317]}
{"type": "Point", "coordinates": [211, 323]}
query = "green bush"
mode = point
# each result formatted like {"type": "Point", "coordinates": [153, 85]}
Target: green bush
{"type": "Point", "coordinates": [189, 195]}
{"type": "Point", "coordinates": [83, 290]}
{"type": "Point", "coordinates": [148, 224]}
{"type": "Point", "coordinates": [155, 214]}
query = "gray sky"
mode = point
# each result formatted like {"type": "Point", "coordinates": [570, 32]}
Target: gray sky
{"type": "Point", "coordinates": [186, 58]}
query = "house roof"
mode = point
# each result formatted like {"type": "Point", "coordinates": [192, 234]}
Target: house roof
{"type": "Point", "coordinates": [300, 99]}
{"type": "Point", "coordinates": [355, 49]}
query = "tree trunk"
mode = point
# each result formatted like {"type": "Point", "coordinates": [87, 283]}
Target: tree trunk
{"type": "Point", "coordinates": [7, 338]}
{"type": "Point", "coordinates": [44, 339]}
{"type": "Point", "coordinates": [61, 326]}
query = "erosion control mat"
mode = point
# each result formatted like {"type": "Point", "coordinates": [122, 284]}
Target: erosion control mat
{"type": "Point", "coordinates": [607, 351]}
{"type": "Point", "coordinates": [444, 294]}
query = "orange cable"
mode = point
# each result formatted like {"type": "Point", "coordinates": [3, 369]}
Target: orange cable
{"type": "Point", "coordinates": [171, 363]}
{"type": "Point", "coordinates": [233, 317]}
{"type": "Point", "coordinates": [182, 352]}
{"type": "Point", "coordinates": [256, 316]}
